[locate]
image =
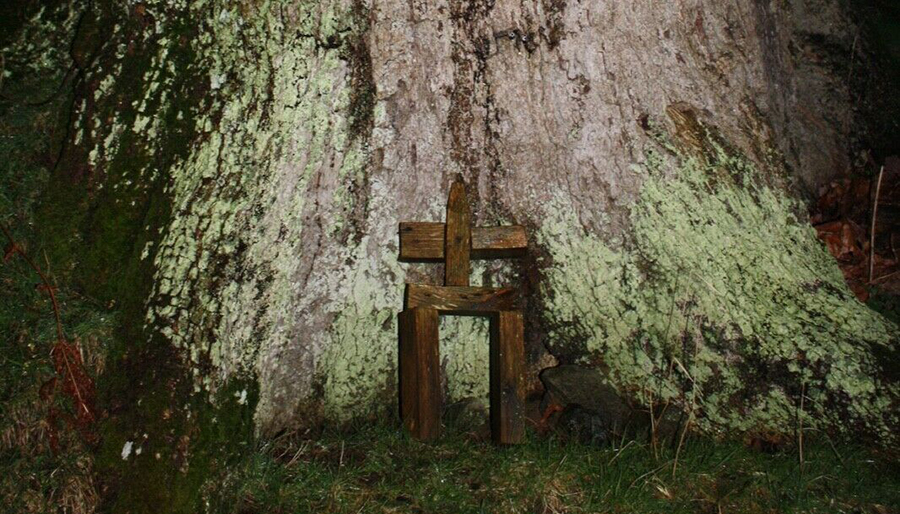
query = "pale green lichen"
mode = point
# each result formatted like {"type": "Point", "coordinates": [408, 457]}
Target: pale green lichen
{"type": "Point", "coordinates": [465, 357]}
{"type": "Point", "coordinates": [228, 289]}
{"type": "Point", "coordinates": [465, 348]}
{"type": "Point", "coordinates": [359, 358]}
{"type": "Point", "coordinates": [723, 303]}
{"type": "Point", "coordinates": [42, 47]}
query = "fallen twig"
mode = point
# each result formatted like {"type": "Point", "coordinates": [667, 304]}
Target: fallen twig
{"type": "Point", "coordinates": [884, 277]}
{"type": "Point", "coordinates": [619, 452]}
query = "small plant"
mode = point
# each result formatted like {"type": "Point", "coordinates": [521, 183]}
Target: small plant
{"type": "Point", "coordinates": [71, 376]}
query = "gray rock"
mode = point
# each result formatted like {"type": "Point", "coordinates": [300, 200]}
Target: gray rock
{"type": "Point", "coordinates": [593, 412]}
{"type": "Point", "coordinates": [470, 414]}
{"type": "Point", "coordinates": [585, 426]}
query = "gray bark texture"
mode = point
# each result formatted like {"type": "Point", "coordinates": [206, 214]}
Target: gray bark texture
{"type": "Point", "coordinates": [241, 168]}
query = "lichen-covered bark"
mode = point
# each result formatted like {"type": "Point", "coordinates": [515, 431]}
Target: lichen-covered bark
{"type": "Point", "coordinates": [263, 152]}
{"type": "Point", "coordinates": [724, 303]}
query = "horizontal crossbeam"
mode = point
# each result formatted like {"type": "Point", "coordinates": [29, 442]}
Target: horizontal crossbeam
{"type": "Point", "coordinates": [461, 300]}
{"type": "Point", "coordinates": [424, 242]}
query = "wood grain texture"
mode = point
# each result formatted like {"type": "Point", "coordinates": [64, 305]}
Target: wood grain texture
{"type": "Point", "coordinates": [507, 365]}
{"type": "Point", "coordinates": [424, 242]}
{"type": "Point", "coordinates": [499, 242]}
{"type": "Point", "coordinates": [420, 373]}
{"type": "Point", "coordinates": [458, 238]}
{"type": "Point", "coordinates": [461, 300]}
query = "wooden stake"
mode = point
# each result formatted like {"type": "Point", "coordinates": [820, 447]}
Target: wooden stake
{"type": "Point", "coordinates": [456, 242]}
{"type": "Point", "coordinates": [458, 239]}
{"type": "Point", "coordinates": [507, 358]}
{"type": "Point", "coordinates": [420, 373]}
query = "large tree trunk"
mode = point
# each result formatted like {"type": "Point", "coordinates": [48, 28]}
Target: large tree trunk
{"type": "Point", "coordinates": [235, 173]}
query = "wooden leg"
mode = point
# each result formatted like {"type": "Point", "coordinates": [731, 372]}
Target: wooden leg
{"type": "Point", "coordinates": [507, 366]}
{"type": "Point", "coordinates": [420, 380]}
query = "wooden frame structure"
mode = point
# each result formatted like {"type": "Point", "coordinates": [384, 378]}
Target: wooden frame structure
{"type": "Point", "coordinates": [456, 243]}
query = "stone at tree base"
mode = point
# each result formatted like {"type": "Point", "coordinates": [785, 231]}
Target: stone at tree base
{"type": "Point", "coordinates": [469, 415]}
{"type": "Point", "coordinates": [587, 427]}
{"type": "Point", "coordinates": [592, 408]}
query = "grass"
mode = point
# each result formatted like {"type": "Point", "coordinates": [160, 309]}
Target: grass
{"type": "Point", "coordinates": [45, 465]}
{"type": "Point", "coordinates": [35, 478]}
{"type": "Point", "coordinates": [378, 469]}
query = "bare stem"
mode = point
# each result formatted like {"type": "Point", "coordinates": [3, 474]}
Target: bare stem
{"type": "Point", "coordinates": [800, 422]}
{"type": "Point", "coordinates": [872, 229]}
{"type": "Point", "coordinates": [44, 279]}
{"type": "Point", "coordinates": [653, 433]}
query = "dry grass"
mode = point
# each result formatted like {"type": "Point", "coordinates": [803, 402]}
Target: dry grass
{"type": "Point", "coordinates": [35, 479]}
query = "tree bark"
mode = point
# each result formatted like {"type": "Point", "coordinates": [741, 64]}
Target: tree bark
{"type": "Point", "coordinates": [238, 171]}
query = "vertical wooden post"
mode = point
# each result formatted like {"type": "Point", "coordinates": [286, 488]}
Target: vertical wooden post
{"type": "Point", "coordinates": [507, 356]}
{"type": "Point", "coordinates": [458, 238]}
{"type": "Point", "coordinates": [420, 383]}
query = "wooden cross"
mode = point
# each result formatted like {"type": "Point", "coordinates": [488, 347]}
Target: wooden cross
{"type": "Point", "coordinates": [456, 243]}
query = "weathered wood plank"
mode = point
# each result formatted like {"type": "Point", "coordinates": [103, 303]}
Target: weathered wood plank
{"type": "Point", "coordinates": [499, 242]}
{"type": "Point", "coordinates": [507, 365]}
{"type": "Point", "coordinates": [461, 300]}
{"type": "Point", "coordinates": [420, 373]}
{"type": "Point", "coordinates": [458, 238]}
{"type": "Point", "coordinates": [424, 242]}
